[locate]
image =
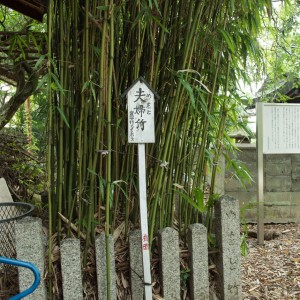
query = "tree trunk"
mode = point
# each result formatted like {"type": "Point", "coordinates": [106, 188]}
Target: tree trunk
{"type": "Point", "coordinates": [27, 80]}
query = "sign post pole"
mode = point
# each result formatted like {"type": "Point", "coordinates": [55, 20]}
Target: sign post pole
{"type": "Point", "coordinates": [144, 222]}
{"type": "Point", "coordinates": [260, 173]}
{"type": "Point", "coordinates": [278, 132]}
{"type": "Point", "coordinates": [140, 101]}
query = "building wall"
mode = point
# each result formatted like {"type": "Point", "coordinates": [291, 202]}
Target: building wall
{"type": "Point", "coordinates": [281, 186]}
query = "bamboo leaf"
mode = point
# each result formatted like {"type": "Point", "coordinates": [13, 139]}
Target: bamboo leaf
{"type": "Point", "coordinates": [121, 189]}
{"type": "Point", "coordinates": [199, 196]}
{"type": "Point", "coordinates": [163, 27]}
{"type": "Point", "coordinates": [39, 61]}
{"type": "Point", "coordinates": [12, 45]}
{"type": "Point", "coordinates": [63, 116]}
{"type": "Point", "coordinates": [34, 40]}
{"type": "Point", "coordinates": [178, 186]}
{"type": "Point", "coordinates": [188, 88]}
{"type": "Point", "coordinates": [21, 48]}
{"type": "Point", "coordinates": [92, 171]}
{"type": "Point", "coordinates": [103, 7]}
{"type": "Point", "coordinates": [157, 6]}
{"type": "Point", "coordinates": [93, 91]}
{"type": "Point", "coordinates": [119, 181]}
{"type": "Point", "coordinates": [202, 103]}
{"type": "Point", "coordinates": [23, 41]}
{"type": "Point", "coordinates": [195, 72]}
{"type": "Point", "coordinates": [42, 82]}
{"type": "Point", "coordinates": [188, 199]}
{"type": "Point", "coordinates": [85, 85]}
{"type": "Point", "coordinates": [57, 83]}
{"type": "Point", "coordinates": [102, 185]}
{"type": "Point", "coordinates": [228, 39]}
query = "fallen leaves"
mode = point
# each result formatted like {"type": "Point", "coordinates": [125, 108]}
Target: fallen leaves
{"type": "Point", "coordinates": [273, 271]}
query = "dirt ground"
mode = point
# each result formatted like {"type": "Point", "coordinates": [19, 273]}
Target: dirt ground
{"type": "Point", "coordinates": [272, 271]}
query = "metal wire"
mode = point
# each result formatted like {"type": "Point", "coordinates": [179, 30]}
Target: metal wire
{"type": "Point", "coordinates": [10, 212]}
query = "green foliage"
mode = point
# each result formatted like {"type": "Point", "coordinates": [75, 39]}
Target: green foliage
{"type": "Point", "coordinates": [12, 20]}
{"type": "Point", "coordinates": [184, 277]}
{"type": "Point", "coordinates": [244, 244]}
{"type": "Point", "coordinates": [196, 200]}
{"type": "Point", "coordinates": [281, 43]}
{"type": "Point", "coordinates": [22, 171]}
{"type": "Point", "coordinates": [193, 54]}
{"type": "Point", "coordinates": [238, 170]}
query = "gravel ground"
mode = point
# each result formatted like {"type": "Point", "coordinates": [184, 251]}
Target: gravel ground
{"type": "Point", "coordinates": [272, 271]}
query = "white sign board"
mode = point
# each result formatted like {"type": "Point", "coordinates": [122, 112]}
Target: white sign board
{"type": "Point", "coordinates": [140, 114]}
{"type": "Point", "coordinates": [281, 128]}
{"type": "Point", "coordinates": [140, 101]}
{"type": "Point", "coordinates": [277, 132]}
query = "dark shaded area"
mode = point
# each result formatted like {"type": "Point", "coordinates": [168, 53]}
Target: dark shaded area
{"type": "Point", "coordinates": [283, 90]}
{"type": "Point", "coordinates": [32, 8]}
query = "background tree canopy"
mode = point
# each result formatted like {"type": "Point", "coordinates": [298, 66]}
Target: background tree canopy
{"type": "Point", "coordinates": [280, 45]}
{"type": "Point", "coordinates": [22, 42]}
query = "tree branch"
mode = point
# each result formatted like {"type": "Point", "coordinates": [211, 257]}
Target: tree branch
{"type": "Point", "coordinates": [26, 85]}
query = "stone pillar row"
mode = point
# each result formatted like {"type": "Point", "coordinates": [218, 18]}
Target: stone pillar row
{"type": "Point", "coordinates": [30, 244]}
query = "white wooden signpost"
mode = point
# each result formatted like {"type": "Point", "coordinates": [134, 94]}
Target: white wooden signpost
{"type": "Point", "coordinates": [141, 130]}
{"type": "Point", "coordinates": [278, 132]}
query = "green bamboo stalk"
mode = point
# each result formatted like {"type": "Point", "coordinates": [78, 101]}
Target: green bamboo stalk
{"type": "Point", "coordinates": [72, 116]}
{"type": "Point", "coordinates": [109, 145]}
{"type": "Point", "coordinates": [50, 145]}
{"type": "Point", "coordinates": [61, 135]}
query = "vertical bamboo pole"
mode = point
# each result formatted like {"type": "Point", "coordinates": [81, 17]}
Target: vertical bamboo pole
{"type": "Point", "coordinates": [109, 144]}
{"type": "Point", "coordinates": [50, 143]}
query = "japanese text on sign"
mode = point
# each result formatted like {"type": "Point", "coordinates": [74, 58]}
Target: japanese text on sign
{"type": "Point", "coordinates": [140, 114]}
{"type": "Point", "coordinates": [281, 128]}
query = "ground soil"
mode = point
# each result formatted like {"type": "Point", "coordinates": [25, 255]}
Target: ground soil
{"type": "Point", "coordinates": [272, 271]}
{"type": "Point", "coordinates": [269, 272]}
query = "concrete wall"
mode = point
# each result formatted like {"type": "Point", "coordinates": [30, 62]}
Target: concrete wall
{"type": "Point", "coordinates": [281, 186]}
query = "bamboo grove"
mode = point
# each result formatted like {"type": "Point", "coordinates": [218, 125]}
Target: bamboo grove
{"type": "Point", "coordinates": [192, 53]}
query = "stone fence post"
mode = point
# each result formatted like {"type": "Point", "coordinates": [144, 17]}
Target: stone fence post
{"type": "Point", "coordinates": [228, 241]}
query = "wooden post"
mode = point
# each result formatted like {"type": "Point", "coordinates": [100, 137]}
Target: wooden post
{"type": "Point", "coordinates": [140, 102]}
{"type": "Point", "coordinates": [144, 221]}
{"type": "Point", "coordinates": [260, 173]}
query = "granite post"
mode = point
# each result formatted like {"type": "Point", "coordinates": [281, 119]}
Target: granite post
{"type": "Point", "coordinates": [71, 269]}
{"type": "Point", "coordinates": [198, 249]}
{"type": "Point", "coordinates": [136, 265]}
{"type": "Point", "coordinates": [30, 247]}
{"type": "Point", "coordinates": [169, 263]}
{"type": "Point", "coordinates": [227, 223]}
{"type": "Point", "coordinates": [102, 270]}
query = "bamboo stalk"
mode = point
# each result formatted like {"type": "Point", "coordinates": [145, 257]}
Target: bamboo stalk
{"type": "Point", "coordinates": [72, 226]}
{"type": "Point", "coordinates": [50, 145]}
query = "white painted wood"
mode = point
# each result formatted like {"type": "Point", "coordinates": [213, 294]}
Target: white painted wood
{"type": "Point", "coordinates": [140, 114]}
{"type": "Point", "coordinates": [278, 132]}
{"type": "Point", "coordinates": [281, 128]}
{"type": "Point", "coordinates": [260, 172]}
{"type": "Point", "coordinates": [140, 102]}
{"type": "Point", "coordinates": [144, 222]}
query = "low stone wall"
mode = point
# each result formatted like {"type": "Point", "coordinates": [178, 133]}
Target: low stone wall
{"type": "Point", "coordinates": [30, 244]}
{"type": "Point", "coordinates": [281, 186]}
